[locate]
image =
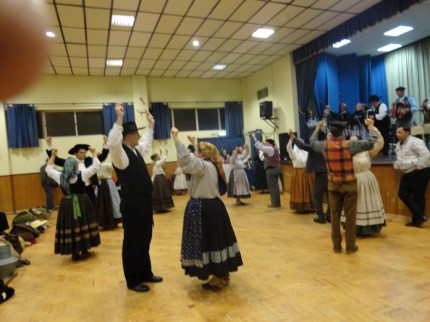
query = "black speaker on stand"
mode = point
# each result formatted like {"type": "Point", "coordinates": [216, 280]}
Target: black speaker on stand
{"type": "Point", "coordinates": [266, 109]}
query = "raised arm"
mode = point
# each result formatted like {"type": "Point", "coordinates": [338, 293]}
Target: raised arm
{"type": "Point", "coordinates": [87, 173]}
{"type": "Point", "coordinates": [187, 160]}
{"type": "Point", "coordinates": [379, 143]}
{"type": "Point", "coordinates": [57, 161]}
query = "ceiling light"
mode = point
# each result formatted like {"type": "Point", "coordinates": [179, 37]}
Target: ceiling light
{"type": "Point", "coordinates": [196, 43]}
{"type": "Point", "coordinates": [341, 43]}
{"type": "Point", "coordinates": [263, 33]}
{"type": "Point", "coordinates": [218, 67]}
{"type": "Point", "coordinates": [121, 20]}
{"type": "Point", "coordinates": [50, 34]}
{"type": "Point", "coordinates": [114, 62]}
{"type": "Point", "coordinates": [389, 47]}
{"type": "Point", "coordinates": [400, 30]}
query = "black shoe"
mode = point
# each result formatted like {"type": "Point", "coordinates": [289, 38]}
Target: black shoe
{"type": "Point", "coordinates": [215, 288]}
{"type": "Point", "coordinates": [319, 220]}
{"type": "Point", "coordinates": [328, 218]}
{"type": "Point", "coordinates": [337, 250]}
{"type": "Point", "coordinates": [153, 279]}
{"type": "Point", "coordinates": [140, 288]}
{"type": "Point", "coordinates": [355, 249]}
{"type": "Point", "coordinates": [76, 257]}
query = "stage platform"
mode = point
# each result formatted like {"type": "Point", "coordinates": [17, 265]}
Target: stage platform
{"type": "Point", "coordinates": [388, 179]}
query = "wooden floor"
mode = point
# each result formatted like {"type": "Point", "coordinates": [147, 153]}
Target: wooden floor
{"type": "Point", "coordinates": [289, 274]}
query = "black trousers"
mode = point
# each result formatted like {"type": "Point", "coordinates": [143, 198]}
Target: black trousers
{"type": "Point", "coordinates": [320, 189]}
{"type": "Point", "coordinates": [137, 223]}
{"type": "Point", "coordinates": [412, 190]}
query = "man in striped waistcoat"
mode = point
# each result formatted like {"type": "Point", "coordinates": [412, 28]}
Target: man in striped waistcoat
{"type": "Point", "coordinates": [342, 184]}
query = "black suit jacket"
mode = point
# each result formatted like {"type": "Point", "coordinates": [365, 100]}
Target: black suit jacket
{"type": "Point", "coordinates": [316, 161]}
{"type": "Point", "coordinates": [88, 161]}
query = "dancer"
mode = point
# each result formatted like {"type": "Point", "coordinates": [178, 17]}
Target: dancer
{"type": "Point", "coordinates": [238, 185]}
{"type": "Point", "coordinates": [162, 195]}
{"type": "Point", "coordinates": [209, 245]}
{"type": "Point", "coordinates": [180, 186]}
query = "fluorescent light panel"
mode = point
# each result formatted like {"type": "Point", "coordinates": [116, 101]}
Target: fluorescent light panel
{"type": "Point", "coordinates": [263, 33]}
{"type": "Point", "coordinates": [114, 62]}
{"type": "Point", "coordinates": [218, 67]}
{"type": "Point", "coordinates": [341, 43]}
{"type": "Point", "coordinates": [389, 47]}
{"type": "Point", "coordinates": [400, 30]}
{"type": "Point", "coordinates": [121, 20]}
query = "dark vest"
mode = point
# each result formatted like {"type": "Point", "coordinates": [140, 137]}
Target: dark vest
{"type": "Point", "coordinates": [134, 180]}
{"type": "Point", "coordinates": [273, 161]}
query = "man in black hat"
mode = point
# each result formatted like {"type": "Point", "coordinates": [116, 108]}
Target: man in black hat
{"type": "Point", "coordinates": [127, 154]}
{"type": "Point", "coordinates": [382, 120]}
{"type": "Point", "coordinates": [80, 153]}
{"type": "Point", "coordinates": [342, 183]}
{"type": "Point", "coordinates": [403, 108]}
{"type": "Point", "coordinates": [272, 168]}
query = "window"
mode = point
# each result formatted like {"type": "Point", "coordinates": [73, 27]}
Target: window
{"type": "Point", "coordinates": [202, 119]}
{"type": "Point", "coordinates": [69, 123]}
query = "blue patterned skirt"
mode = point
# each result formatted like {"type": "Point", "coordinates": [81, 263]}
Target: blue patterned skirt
{"type": "Point", "coordinates": [209, 245]}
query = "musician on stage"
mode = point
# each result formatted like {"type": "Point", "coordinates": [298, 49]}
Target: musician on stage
{"type": "Point", "coordinates": [379, 112]}
{"type": "Point", "coordinates": [403, 108]}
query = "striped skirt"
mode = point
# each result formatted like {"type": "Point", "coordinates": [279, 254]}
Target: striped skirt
{"type": "Point", "coordinates": [73, 236]}
{"type": "Point", "coordinates": [209, 245]}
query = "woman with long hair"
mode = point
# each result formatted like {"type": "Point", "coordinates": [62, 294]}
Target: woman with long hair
{"type": "Point", "coordinates": [209, 246]}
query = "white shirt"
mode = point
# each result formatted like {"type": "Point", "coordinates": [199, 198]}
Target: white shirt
{"type": "Point", "coordinates": [383, 111]}
{"type": "Point", "coordinates": [298, 156]}
{"type": "Point", "coordinates": [412, 155]}
{"type": "Point", "coordinates": [118, 156]}
{"type": "Point", "coordinates": [86, 173]}
{"type": "Point", "coordinates": [158, 166]}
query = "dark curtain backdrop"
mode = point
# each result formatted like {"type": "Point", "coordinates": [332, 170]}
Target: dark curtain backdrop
{"type": "Point", "coordinates": [349, 87]}
{"type": "Point", "coordinates": [162, 126]}
{"type": "Point", "coordinates": [378, 84]}
{"type": "Point", "coordinates": [326, 87]}
{"type": "Point", "coordinates": [225, 143]}
{"type": "Point", "coordinates": [305, 76]}
{"type": "Point", "coordinates": [22, 126]}
{"type": "Point", "coordinates": [109, 115]}
{"type": "Point", "coordinates": [382, 10]}
{"type": "Point", "coordinates": [233, 119]}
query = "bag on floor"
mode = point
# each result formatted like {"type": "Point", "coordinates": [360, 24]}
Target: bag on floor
{"type": "Point", "coordinates": [28, 233]}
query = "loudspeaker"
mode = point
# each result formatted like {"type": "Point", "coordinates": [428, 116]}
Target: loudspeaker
{"type": "Point", "coordinates": [283, 141]}
{"type": "Point", "coordinates": [266, 109]}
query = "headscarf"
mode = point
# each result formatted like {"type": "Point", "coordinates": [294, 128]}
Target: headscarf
{"type": "Point", "coordinates": [211, 153]}
{"type": "Point", "coordinates": [70, 169]}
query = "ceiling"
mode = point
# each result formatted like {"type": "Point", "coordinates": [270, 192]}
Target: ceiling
{"type": "Point", "coordinates": [159, 43]}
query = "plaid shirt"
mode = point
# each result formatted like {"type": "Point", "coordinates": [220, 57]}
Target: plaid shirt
{"type": "Point", "coordinates": [339, 161]}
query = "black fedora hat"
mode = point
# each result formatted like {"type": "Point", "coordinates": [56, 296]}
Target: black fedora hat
{"type": "Point", "coordinates": [78, 147]}
{"type": "Point", "coordinates": [373, 98]}
{"type": "Point", "coordinates": [128, 127]}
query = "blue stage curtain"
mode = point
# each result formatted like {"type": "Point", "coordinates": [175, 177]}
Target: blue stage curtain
{"type": "Point", "coordinates": [233, 119]}
{"type": "Point", "coordinates": [109, 115]}
{"type": "Point", "coordinates": [379, 81]}
{"type": "Point", "coordinates": [326, 86]}
{"type": "Point", "coordinates": [225, 143]}
{"type": "Point", "coordinates": [382, 10]}
{"type": "Point", "coordinates": [22, 126]}
{"type": "Point", "coordinates": [305, 77]}
{"type": "Point", "coordinates": [365, 78]}
{"type": "Point", "coordinates": [348, 81]}
{"type": "Point", "coordinates": [162, 126]}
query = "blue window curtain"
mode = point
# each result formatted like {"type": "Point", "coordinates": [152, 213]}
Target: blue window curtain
{"type": "Point", "coordinates": [22, 126]}
{"type": "Point", "coordinates": [233, 119]}
{"type": "Point", "coordinates": [162, 126]}
{"type": "Point", "coordinates": [225, 143]}
{"type": "Point", "coordinates": [305, 77]}
{"type": "Point", "coordinates": [109, 115]}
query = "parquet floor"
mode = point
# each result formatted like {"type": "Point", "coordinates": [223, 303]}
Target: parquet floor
{"type": "Point", "coordinates": [289, 274]}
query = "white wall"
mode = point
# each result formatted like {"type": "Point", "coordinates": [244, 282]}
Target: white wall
{"type": "Point", "coordinates": [279, 77]}
{"type": "Point", "coordinates": [60, 92]}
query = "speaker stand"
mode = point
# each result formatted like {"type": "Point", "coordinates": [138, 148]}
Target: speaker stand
{"type": "Point", "coordinates": [271, 123]}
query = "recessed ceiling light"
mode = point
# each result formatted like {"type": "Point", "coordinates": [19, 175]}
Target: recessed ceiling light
{"type": "Point", "coordinates": [121, 20]}
{"type": "Point", "coordinates": [50, 34]}
{"type": "Point", "coordinates": [218, 67]}
{"type": "Point", "coordinates": [263, 33]}
{"type": "Point", "coordinates": [341, 43]}
{"type": "Point", "coordinates": [114, 62]}
{"type": "Point", "coordinates": [389, 47]}
{"type": "Point", "coordinates": [400, 30]}
{"type": "Point", "coordinates": [196, 43]}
